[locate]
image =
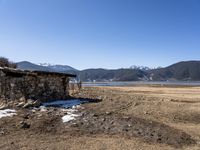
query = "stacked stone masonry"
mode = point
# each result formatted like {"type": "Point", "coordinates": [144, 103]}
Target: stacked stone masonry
{"type": "Point", "coordinates": [44, 86]}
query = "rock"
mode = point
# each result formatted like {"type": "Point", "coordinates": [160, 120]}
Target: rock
{"type": "Point", "coordinates": [129, 125]}
{"type": "Point", "coordinates": [21, 104]}
{"type": "Point", "coordinates": [108, 113]}
{"type": "Point", "coordinates": [127, 117]}
{"type": "Point", "coordinates": [94, 115]}
{"type": "Point", "coordinates": [65, 113]}
{"type": "Point", "coordinates": [135, 104]}
{"type": "Point", "coordinates": [4, 106]}
{"type": "Point", "coordinates": [23, 99]}
{"type": "Point", "coordinates": [112, 122]}
{"type": "Point", "coordinates": [33, 111]}
{"type": "Point", "coordinates": [2, 132]}
{"type": "Point", "coordinates": [103, 119]}
{"type": "Point", "coordinates": [29, 103]}
{"type": "Point", "coordinates": [99, 97]}
{"type": "Point", "coordinates": [74, 125]}
{"type": "Point", "coordinates": [125, 129]}
{"type": "Point", "coordinates": [40, 115]}
{"type": "Point", "coordinates": [26, 116]}
{"type": "Point", "coordinates": [24, 125]}
{"type": "Point", "coordinates": [37, 103]}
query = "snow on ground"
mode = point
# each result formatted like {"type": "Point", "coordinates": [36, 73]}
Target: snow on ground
{"type": "Point", "coordinates": [7, 113]}
{"type": "Point", "coordinates": [43, 108]}
{"type": "Point", "coordinates": [68, 106]}
{"type": "Point", "coordinates": [71, 114]}
{"type": "Point", "coordinates": [69, 117]}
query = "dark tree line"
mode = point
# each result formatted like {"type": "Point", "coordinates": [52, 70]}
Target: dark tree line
{"type": "Point", "coordinates": [4, 62]}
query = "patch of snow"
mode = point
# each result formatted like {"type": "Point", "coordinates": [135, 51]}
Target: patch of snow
{"type": "Point", "coordinates": [71, 110]}
{"type": "Point", "coordinates": [69, 106]}
{"type": "Point", "coordinates": [45, 64]}
{"type": "Point", "coordinates": [144, 68]}
{"type": "Point", "coordinates": [69, 117]}
{"type": "Point", "coordinates": [71, 113]}
{"type": "Point", "coordinates": [7, 113]}
{"type": "Point", "coordinates": [76, 106]}
{"type": "Point", "coordinates": [43, 108]}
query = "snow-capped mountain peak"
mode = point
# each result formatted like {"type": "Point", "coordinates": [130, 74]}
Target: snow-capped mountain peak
{"type": "Point", "coordinates": [140, 67]}
{"type": "Point", "coordinates": [45, 64]}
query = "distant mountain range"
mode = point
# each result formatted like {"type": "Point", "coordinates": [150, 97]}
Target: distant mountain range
{"type": "Point", "coordinates": [113, 75]}
{"type": "Point", "coordinates": [25, 65]}
{"type": "Point", "coordinates": [183, 71]}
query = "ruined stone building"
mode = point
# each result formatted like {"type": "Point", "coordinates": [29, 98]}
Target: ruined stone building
{"type": "Point", "coordinates": [15, 84]}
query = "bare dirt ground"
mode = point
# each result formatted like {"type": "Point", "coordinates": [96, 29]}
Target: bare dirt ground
{"type": "Point", "coordinates": [139, 117]}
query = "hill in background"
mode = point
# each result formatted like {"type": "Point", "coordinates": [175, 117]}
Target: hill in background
{"type": "Point", "coordinates": [186, 70]}
{"type": "Point", "coordinates": [25, 65]}
{"type": "Point", "coordinates": [113, 75]}
{"type": "Point", "coordinates": [182, 71]}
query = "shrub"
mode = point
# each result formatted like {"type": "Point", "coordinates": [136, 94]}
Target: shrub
{"type": "Point", "coordinates": [4, 62]}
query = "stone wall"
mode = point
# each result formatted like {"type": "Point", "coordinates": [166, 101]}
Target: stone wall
{"type": "Point", "coordinates": [44, 86]}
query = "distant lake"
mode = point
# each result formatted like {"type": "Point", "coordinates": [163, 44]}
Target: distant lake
{"type": "Point", "coordinates": [132, 83]}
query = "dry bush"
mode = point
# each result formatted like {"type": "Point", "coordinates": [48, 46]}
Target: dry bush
{"type": "Point", "coordinates": [4, 62]}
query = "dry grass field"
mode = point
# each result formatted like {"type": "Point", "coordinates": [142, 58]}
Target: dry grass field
{"type": "Point", "coordinates": [136, 117]}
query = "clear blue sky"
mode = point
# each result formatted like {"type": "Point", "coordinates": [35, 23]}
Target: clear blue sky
{"type": "Point", "coordinates": [100, 33]}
